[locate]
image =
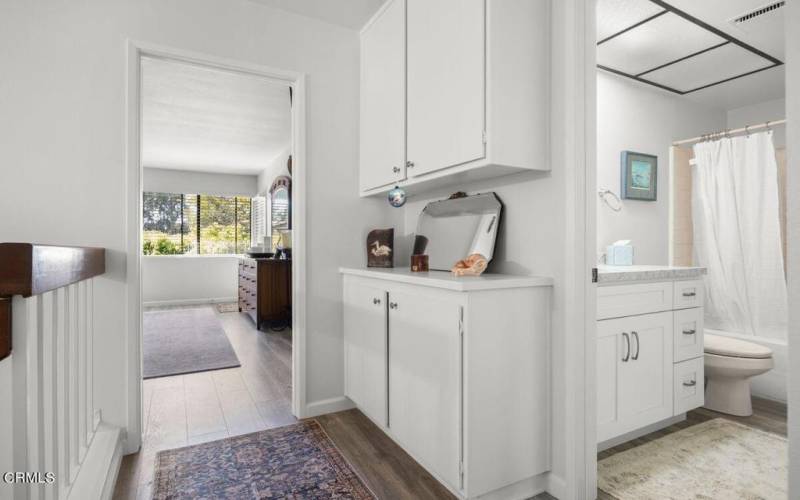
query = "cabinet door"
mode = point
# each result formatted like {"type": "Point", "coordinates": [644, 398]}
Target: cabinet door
{"type": "Point", "coordinates": [365, 348]}
{"type": "Point", "coordinates": [634, 373]}
{"type": "Point", "coordinates": [383, 99]}
{"type": "Point", "coordinates": [425, 381]}
{"type": "Point", "coordinates": [446, 83]}
{"type": "Point", "coordinates": [645, 380]}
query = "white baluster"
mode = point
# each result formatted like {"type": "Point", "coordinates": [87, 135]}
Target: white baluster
{"type": "Point", "coordinates": [72, 382]}
{"type": "Point", "coordinates": [26, 394]}
{"type": "Point", "coordinates": [80, 289]}
{"type": "Point", "coordinates": [90, 357]}
{"type": "Point", "coordinates": [48, 401]}
{"type": "Point", "coordinates": [62, 374]}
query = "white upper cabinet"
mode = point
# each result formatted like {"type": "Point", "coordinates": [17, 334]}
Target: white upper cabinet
{"type": "Point", "coordinates": [458, 88]}
{"type": "Point", "coordinates": [383, 112]}
{"type": "Point", "coordinates": [446, 89]}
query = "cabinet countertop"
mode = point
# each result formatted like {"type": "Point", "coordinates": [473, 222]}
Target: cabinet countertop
{"type": "Point", "coordinates": [625, 274]}
{"type": "Point", "coordinates": [446, 280]}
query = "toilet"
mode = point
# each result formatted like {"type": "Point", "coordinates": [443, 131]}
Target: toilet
{"type": "Point", "coordinates": [729, 365]}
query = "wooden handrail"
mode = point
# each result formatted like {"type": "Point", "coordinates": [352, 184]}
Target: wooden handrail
{"type": "Point", "coordinates": [28, 269]}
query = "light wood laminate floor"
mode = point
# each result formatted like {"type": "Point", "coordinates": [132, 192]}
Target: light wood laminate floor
{"type": "Point", "coordinates": [199, 407]}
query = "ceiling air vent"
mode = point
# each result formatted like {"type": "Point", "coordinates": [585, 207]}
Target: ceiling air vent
{"type": "Point", "coordinates": [752, 15]}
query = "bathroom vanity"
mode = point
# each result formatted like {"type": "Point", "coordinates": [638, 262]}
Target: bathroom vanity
{"type": "Point", "coordinates": [649, 348]}
{"type": "Point", "coordinates": [456, 371]}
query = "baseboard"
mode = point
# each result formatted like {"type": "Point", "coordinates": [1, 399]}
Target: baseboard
{"type": "Point", "coordinates": [330, 405]}
{"type": "Point", "coordinates": [640, 432]}
{"type": "Point", "coordinates": [97, 475]}
{"type": "Point", "coordinates": [189, 302]}
{"type": "Point", "coordinates": [527, 488]}
{"type": "Point", "coordinates": [556, 486]}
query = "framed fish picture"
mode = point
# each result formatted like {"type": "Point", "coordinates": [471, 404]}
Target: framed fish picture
{"type": "Point", "coordinates": [639, 176]}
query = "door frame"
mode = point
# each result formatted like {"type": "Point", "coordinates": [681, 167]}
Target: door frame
{"type": "Point", "coordinates": [133, 220]}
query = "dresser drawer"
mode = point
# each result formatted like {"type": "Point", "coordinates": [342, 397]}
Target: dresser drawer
{"type": "Point", "coordinates": [689, 385]}
{"type": "Point", "coordinates": [688, 333]}
{"type": "Point", "coordinates": [628, 300]}
{"type": "Point", "coordinates": [688, 294]}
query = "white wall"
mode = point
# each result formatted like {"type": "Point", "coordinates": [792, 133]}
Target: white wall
{"type": "Point", "coordinates": [760, 113]}
{"type": "Point", "coordinates": [62, 139]}
{"type": "Point", "coordinates": [793, 217]}
{"type": "Point", "coordinates": [162, 180]}
{"type": "Point", "coordinates": [189, 279]}
{"type": "Point", "coordinates": [633, 117]}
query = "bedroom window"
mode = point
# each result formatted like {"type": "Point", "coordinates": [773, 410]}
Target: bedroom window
{"type": "Point", "coordinates": [195, 224]}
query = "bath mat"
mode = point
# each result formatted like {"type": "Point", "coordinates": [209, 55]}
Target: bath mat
{"type": "Point", "coordinates": [717, 459]}
{"type": "Point", "coordinates": [177, 341]}
{"type": "Point", "coordinates": [228, 307]}
{"type": "Point", "coordinates": [295, 461]}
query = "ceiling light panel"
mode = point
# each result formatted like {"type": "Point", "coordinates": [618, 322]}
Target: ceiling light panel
{"type": "Point", "coordinates": [660, 41]}
{"type": "Point", "coordinates": [614, 16]}
{"type": "Point", "coordinates": [710, 67]}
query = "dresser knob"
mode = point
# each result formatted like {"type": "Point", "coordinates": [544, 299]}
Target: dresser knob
{"type": "Point", "coordinates": [396, 170]}
{"type": "Point", "coordinates": [376, 301]}
{"type": "Point", "coordinates": [392, 305]}
{"type": "Point", "coordinates": [409, 164]}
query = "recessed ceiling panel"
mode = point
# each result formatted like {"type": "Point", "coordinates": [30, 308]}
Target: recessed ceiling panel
{"type": "Point", "coordinates": [614, 16]}
{"type": "Point", "coordinates": [708, 68]}
{"type": "Point", "coordinates": [660, 41]}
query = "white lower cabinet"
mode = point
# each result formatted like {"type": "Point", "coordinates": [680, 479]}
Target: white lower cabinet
{"type": "Point", "coordinates": [649, 364]}
{"type": "Point", "coordinates": [455, 372]}
{"type": "Point", "coordinates": [635, 372]}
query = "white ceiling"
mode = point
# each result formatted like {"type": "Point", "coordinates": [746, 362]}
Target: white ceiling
{"type": "Point", "coordinates": [669, 37]}
{"type": "Point", "coordinates": [203, 119]}
{"type": "Point", "coordinates": [351, 14]}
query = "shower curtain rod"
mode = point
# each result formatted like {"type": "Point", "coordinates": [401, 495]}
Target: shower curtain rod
{"type": "Point", "coordinates": [747, 129]}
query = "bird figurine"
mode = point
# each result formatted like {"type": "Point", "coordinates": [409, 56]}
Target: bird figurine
{"type": "Point", "coordinates": [380, 250]}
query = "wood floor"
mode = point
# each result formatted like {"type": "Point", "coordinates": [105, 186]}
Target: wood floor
{"type": "Point", "coordinates": [767, 415]}
{"type": "Point", "coordinates": [195, 408]}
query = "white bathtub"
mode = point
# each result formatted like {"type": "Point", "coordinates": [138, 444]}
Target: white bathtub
{"type": "Point", "coordinates": [771, 385]}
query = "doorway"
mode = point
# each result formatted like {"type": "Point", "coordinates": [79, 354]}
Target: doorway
{"type": "Point", "coordinates": [267, 387]}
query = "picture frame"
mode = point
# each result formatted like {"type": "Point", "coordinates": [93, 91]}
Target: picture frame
{"type": "Point", "coordinates": [639, 176]}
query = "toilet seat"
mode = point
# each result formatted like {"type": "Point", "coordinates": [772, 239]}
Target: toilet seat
{"type": "Point", "coordinates": [735, 348]}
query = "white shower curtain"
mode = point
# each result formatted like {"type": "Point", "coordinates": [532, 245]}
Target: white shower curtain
{"type": "Point", "coordinates": [737, 235]}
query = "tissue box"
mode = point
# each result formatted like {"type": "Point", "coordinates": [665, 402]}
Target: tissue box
{"type": "Point", "coordinates": [619, 254]}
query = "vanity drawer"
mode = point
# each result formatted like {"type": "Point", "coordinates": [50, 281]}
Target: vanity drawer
{"type": "Point", "coordinates": [688, 294]}
{"type": "Point", "coordinates": [628, 300]}
{"type": "Point", "coordinates": [688, 333]}
{"type": "Point", "coordinates": [689, 385]}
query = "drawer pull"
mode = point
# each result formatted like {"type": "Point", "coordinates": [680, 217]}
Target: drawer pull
{"type": "Point", "coordinates": [689, 294]}
{"type": "Point", "coordinates": [691, 383]}
{"type": "Point", "coordinates": [628, 347]}
{"type": "Point", "coordinates": [690, 332]}
{"type": "Point", "coordinates": [392, 305]}
{"type": "Point", "coordinates": [636, 336]}
{"type": "Point", "coordinates": [376, 301]}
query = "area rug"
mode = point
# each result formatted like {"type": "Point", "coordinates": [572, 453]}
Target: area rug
{"type": "Point", "coordinates": [179, 341]}
{"type": "Point", "coordinates": [717, 459]}
{"type": "Point", "coordinates": [297, 461]}
{"type": "Point", "coordinates": [228, 307]}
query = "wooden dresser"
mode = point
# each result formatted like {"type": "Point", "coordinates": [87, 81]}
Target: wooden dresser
{"type": "Point", "coordinates": [265, 290]}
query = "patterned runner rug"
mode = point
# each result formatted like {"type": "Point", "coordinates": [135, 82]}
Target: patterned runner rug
{"type": "Point", "coordinates": [715, 460]}
{"type": "Point", "coordinates": [296, 461]}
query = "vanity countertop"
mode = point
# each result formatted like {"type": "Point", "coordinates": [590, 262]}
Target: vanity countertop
{"type": "Point", "coordinates": [622, 274]}
{"type": "Point", "coordinates": [446, 280]}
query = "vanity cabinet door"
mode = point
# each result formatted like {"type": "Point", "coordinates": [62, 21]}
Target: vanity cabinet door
{"type": "Point", "coordinates": [365, 345]}
{"type": "Point", "coordinates": [446, 83]}
{"type": "Point", "coordinates": [425, 380]}
{"type": "Point", "coordinates": [634, 373]}
{"type": "Point", "coordinates": [383, 105]}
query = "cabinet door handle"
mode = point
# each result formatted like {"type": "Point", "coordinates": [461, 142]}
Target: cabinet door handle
{"type": "Point", "coordinates": [376, 301]}
{"type": "Point", "coordinates": [636, 336]}
{"type": "Point", "coordinates": [392, 305]}
{"type": "Point", "coordinates": [690, 332]}
{"type": "Point", "coordinates": [628, 347]}
{"type": "Point", "coordinates": [689, 294]}
{"type": "Point", "coordinates": [690, 383]}
{"type": "Point", "coordinates": [396, 170]}
{"type": "Point", "coordinates": [409, 164]}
